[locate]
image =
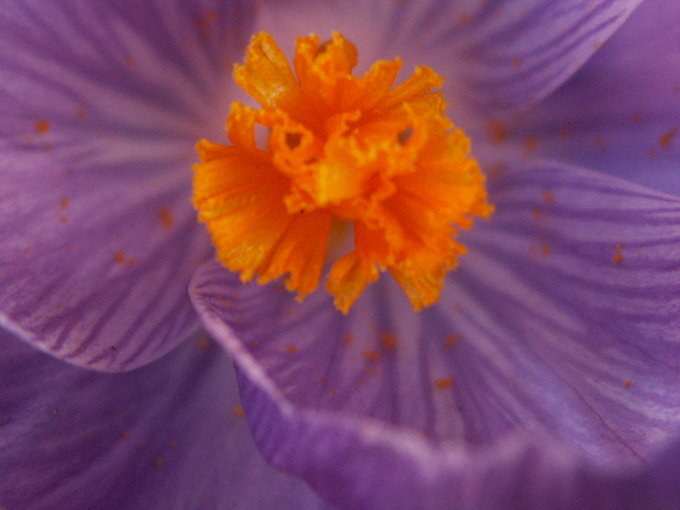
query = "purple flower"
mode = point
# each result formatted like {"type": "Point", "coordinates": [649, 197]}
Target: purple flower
{"type": "Point", "coordinates": [548, 374]}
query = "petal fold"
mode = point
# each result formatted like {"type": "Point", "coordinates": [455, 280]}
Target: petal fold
{"type": "Point", "coordinates": [552, 357]}
{"type": "Point", "coordinates": [170, 435]}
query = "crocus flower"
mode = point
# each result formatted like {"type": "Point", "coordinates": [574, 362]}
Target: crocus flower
{"type": "Point", "coordinates": [546, 375]}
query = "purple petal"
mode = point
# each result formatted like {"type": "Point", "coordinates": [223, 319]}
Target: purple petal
{"type": "Point", "coordinates": [495, 55]}
{"type": "Point", "coordinates": [100, 106]}
{"type": "Point", "coordinates": [580, 272]}
{"type": "Point", "coordinates": [169, 435]}
{"type": "Point", "coordinates": [620, 114]}
{"type": "Point", "coordinates": [516, 53]}
{"type": "Point", "coordinates": [553, 356]}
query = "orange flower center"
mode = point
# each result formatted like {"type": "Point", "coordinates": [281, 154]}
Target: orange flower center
{"type": "Point", "coordinates": [341, 150]}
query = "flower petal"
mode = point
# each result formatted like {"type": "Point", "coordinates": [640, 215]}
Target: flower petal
{"type": "Point", "coordinates": [516, 53]}
{"type": "Point", "coordinates": [100, 105]}
{"type": "Point", "coordinates": [496, 55]}
{"type": "Point", "coordinates": [620, 114]}
{"type": "Point", "coordinates": [170, 435]}
{"type": "Point", "coordinates": [557, 365]}
{"type": "Point", "coordinates": [579, 271]}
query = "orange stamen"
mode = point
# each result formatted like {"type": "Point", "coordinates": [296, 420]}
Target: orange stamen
{"type": "Point", "coordinates": [342, 150]}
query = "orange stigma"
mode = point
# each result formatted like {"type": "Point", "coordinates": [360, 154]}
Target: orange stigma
{"type": "Point", "coordinates": [342, 150]}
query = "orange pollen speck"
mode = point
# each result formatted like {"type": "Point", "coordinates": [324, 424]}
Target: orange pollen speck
{"type": "Point", "coordinates": [452, 339]}
{"type": "Point", "coordinates": [618, 254]}
{"type": "Point", "coordinates": [497, 131]}
{"type": "Point", "coordinates": [371, 356]}
{"type": "Point", "coordinates": [377, 161]}
{"type": "Point", "coordinates": [666, 139]}
{"type": "Point", "coordinates": [166, 217]}
{"type": "Point", "coordinates": [42, 126]}
{"type": "Point", "coordinates": [389, 341]}
{"type": "Point", "coordinates": [444, 383]}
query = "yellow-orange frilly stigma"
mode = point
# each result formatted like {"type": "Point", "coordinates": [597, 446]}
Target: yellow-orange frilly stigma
{"type": "Point", "coordinates": [342, 151]}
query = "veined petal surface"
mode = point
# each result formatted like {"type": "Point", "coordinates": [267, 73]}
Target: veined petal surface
{"type": "Point", "coordinates": [620, 114]}
{"type": "Point", "coordinates": [101, 104]}
{"type": "Point", "coordinates": [170, 435]}
{"type": "Point", "coordinates": [553, 356]}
